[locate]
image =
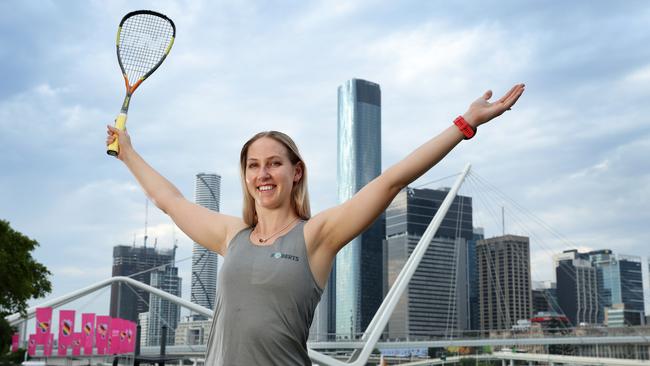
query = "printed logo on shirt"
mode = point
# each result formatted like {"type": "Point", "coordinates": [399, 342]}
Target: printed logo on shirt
{"type": "Point", "coordinates": [278, 255]}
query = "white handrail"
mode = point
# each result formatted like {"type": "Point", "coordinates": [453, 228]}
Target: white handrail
{"type": "Point", "coordinates": [74, 295]}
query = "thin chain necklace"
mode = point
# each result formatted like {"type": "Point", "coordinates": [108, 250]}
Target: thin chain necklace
{"type": "Point", "coordinates": [276, 233]}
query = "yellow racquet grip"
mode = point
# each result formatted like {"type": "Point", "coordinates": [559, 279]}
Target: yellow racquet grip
{"type": "Point", "coordinates": [120, 124]}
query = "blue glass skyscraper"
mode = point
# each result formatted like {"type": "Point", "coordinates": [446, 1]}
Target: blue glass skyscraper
{"type": "Point", "coordinates": [358, 270]}
{"type": "Point", "coordinates": [621, 280]}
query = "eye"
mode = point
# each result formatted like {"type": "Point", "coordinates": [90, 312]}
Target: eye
{"type": "Point", "coordinates": [276, 163]}
{"type": "Point", "coordinates": [252, 165]}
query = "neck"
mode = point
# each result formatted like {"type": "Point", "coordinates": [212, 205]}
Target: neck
{"type": "Point", "coordinates": [270, 221]}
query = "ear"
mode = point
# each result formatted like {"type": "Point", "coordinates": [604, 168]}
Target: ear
{"type": "Point", "coordinates": [297, 173]}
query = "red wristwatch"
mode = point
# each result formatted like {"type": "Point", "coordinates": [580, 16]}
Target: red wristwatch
{"type": "Point", "coordinates": [464, 127]}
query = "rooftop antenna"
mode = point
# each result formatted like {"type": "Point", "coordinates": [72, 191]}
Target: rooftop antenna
{"type": "Point", "coordinates": [175, 241]}
{"type": "Point", "coordinates": [174, 253]}
{"type": "Point", "coordinates": [155, 243]}
{"type": "Point", "coordinates": [146, 217]}
{"type": "Point", "coordinates": [134, 240]}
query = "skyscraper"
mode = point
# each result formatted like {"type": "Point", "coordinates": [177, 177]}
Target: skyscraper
{"type": "Point", "coordinates": [504, 281]}
{"type": "Point", "coordinates": [136, 262]}
{"type": "Point", "coordinates": [358, 271]}
{"type": "Point", "coordinates": [622, 280]}
{"type": "Point", "coordinates": [577, 287]}
{"type": "Point", "coordinates": [163, 312]}
{"type": "Point", "coordinates": [207, 191]}
{"type": "Point", "coordinates": [436, 301]}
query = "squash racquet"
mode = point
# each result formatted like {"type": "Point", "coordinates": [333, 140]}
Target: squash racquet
{"type": "Point", "coordinates": [144, 39]}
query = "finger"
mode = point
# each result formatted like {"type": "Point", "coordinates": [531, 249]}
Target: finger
{"type": "Point", "coordinates": [508, 103]}
{"type": "Point", "coordinates": [116, 131]}
{"type": "Point", "coordinates": [487, 95]}
{"type": "Point", "coordinates": [508, 94]}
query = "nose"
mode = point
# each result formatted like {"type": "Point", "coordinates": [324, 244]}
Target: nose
{"type": "Point", "coordinates": [263, 173]}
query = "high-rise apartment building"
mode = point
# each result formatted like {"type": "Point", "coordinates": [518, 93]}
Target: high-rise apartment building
{"type": "Point", "coordinates": [504, 281]}
{"type": "Point", "coordinates": [358, 277]}
{"type": "Point", "coordinates": [436, 301]}
{"type": "Point", "coordinates": [207, 193]}
{"type": "Point", "coordinates": [163, 312]}
{"type": "Point", "coordinates": [578, 291]}
{"type": "Point", "coordinates": [135, 262]}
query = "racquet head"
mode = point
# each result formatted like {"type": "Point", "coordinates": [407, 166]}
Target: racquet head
{"type": "Point", "coordinates": [144, 39]}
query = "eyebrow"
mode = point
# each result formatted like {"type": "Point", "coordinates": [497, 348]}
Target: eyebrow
{"type": "Point", "coordinates": [270, 157]}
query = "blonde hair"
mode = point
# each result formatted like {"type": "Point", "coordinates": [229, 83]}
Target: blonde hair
{"type": "Point", "coordinates": [299, 195]}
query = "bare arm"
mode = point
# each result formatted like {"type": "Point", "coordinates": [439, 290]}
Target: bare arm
{"type": "Point", "coordinates": [208, 228]}
{"type": "Point", "coordinates": [334, 228]}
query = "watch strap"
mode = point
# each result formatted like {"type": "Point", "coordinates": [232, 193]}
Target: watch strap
{"type": "Point", "coordinates": [464, 127]}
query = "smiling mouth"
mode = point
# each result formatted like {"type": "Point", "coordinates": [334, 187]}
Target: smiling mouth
{"type": "Point", "coordinates": [265, 188]}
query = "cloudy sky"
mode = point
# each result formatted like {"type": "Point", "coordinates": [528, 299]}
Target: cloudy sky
{"type": "Point", "coordinates": [571, 157]}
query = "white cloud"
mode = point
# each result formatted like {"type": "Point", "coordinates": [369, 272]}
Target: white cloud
{"type": "Point", "coordinates": [639, 76]}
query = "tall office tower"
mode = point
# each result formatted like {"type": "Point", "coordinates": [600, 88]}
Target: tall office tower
{"type": "Point", "coordinates": [207, 193]}
{"type": "Point", "coordinates": [359, 274]}
{"type": "Point", "coordinates": [577, 287]}
{"type": "Point", "coordinates": [621, 280]}
{"type": "Point", "coordinates": [135, 262]}
{"type": "Point", "coordinates": [436, 301]}
{"type": "Point", "coordinates": [163, 312]}
{"type": "Point", "coordinates": [504, 281]}
{"type": "Point", "coordinates": [472, 278]}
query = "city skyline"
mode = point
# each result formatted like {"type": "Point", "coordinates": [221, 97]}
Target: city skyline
{"type": "Point", "coordinates": [570, 151]}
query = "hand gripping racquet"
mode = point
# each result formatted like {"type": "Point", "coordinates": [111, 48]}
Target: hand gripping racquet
{"type": "Point", "coordinates": [144, 39]}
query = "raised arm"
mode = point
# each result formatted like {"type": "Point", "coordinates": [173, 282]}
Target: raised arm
{"type": "Point", "coordinates": [334, 228]}
{"type": "Point", "coordinates": [211, 229]}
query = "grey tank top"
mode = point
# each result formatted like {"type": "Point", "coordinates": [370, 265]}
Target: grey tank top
{"type": "Point", "coordinates": [266, 297]}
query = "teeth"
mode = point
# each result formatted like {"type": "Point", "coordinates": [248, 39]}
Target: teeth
{"type": "Point", "coordinates": [265, 188]}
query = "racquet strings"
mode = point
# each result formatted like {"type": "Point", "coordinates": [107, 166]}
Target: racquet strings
{"type": "Point", "coordinates": [144, 40]}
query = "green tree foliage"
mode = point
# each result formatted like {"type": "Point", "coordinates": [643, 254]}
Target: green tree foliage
{"type": "Point", "coordinates": [21, 278]}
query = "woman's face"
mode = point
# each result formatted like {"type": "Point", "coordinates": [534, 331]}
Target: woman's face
{"type": "Point", "coordinates": [270, 175]}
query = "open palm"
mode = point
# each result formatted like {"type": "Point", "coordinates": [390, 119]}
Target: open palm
{"type": "Point", "coordinates": [482, 111]}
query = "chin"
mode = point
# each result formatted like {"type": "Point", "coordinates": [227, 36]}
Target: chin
{"type": "Point", "coordinates": [269, 204]}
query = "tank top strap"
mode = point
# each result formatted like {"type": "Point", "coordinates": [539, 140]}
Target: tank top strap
{"type": "Point", "coordinates": [295, 238]}
{"type": "Point", "coordinates": [238, 238]}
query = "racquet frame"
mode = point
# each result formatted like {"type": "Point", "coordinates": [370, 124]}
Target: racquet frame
{"type": "Point", "coordinates": [120, 121]}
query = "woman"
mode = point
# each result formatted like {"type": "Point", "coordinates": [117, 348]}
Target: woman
{"type": "Point", "coordinates": [278, 257]}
